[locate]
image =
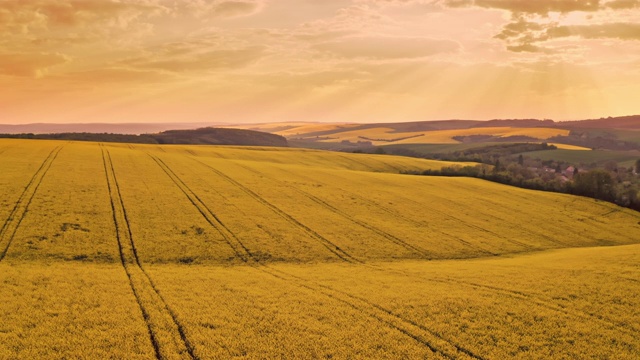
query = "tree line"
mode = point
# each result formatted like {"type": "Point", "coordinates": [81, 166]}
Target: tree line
{"type": "Point", "coordinates": [618, 185]}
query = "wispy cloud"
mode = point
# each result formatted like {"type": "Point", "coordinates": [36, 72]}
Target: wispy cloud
{"type": "Point", "coordinates": [196, 59]}
{"type": "Point", "coordinates": [541, 7]}
{"type": "Point", "coordinates": [30, 65]}
{"type": "Point", "coordinates": [384, 47]}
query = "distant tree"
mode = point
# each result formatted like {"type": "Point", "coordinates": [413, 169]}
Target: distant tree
{"type": "Point", "coordinates": [638, 166]}
{"type": "Point", "coordinates": [596, 183]}
{"type": "Point", "coordinates": [497, 167]}
{"type": "Point", "coordinates": [611, 165]}
{"type": "Point", "coordinates": [520, 160]}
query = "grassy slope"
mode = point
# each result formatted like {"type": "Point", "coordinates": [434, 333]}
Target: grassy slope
{"type": "Point", "coordinates": [302, 213]}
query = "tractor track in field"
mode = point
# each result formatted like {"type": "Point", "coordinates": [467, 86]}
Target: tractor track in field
{"type": "Point", "coordinates": [19, 211]}
{"type": "Point", "coordinates": [595, 222]}
{"type": "Point", "coordinates": [328, 244]}
{"type": "Point", "coordinates": [546, 303]}
{"type": "Point", "coordinates": [528, 229]}
{"type": "Point", "coordinates": [190, 152]}
{"type": "Point", "coordinates": [382, 233]}
{"type": "Point", "coordinates": [520, 295]}
{"type": "Point", "coordinates": [354, 161]}
{"type": "Point", "coordinates": [493, 234]}
{"type": "Point", "coordinates": [407, 219]}
{"type": "Point", "coordinates": [167, 334]}
{"type": "Point", "coordinates": [501, 220]}
{"type": "Point", "coordinates": [420, 333]}
{"type": "Point", "coordinates": [229, 237]}
{"type": "Point", "coordinates": [434, 341]}
{"type": "Point", "coordinates": [413, 329]}
{"type": "Point", "coordinates": [527, 247]}
{"type": "Point", "coordinates": [213, 220]}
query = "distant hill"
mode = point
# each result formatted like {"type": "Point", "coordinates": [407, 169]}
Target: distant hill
{"type": "Point", "coordinates": [219, 136]}
{"type": "Point", "coordinates": [623, 122]}
{"type": "Point", "coordinates": [202, 136]}
{"type": "Point", "coordinates": [613, 133]}
{"type": "Point", "coordinates": [99, 128]}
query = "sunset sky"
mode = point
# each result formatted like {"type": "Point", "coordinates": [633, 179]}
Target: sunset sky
{"type": "Point", "coordinates": [317, 60]}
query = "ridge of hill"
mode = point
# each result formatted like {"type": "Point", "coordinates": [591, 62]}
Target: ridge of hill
{"type": "Point", "coordinates": [99, 128]}
{"type": "Point", "coordinates": [201, 136]}
{"type": "Point", "coordinates": [622, 122]}
{"type": "Point", "coordinates": [619, 133]}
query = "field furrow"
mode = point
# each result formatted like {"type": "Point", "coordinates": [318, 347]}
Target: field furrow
{"type": "Point", "coordinates": [419, 333]}
{"type": "Point", "coordinates": [445, 214]}
{"type": "Point", "coordinates": [231, 239]}
{"type": "Point", "coordinates": [348, 217]}
{"type": "Point", "coordinates": [520, 295]}
{"type": "Point", "coordinates": [167, 335]}
{"type": "Point", "coordinates": [17, 214]}
{"type": "Point", "coordinates": [434, 341]}
{"type": "Point", "coordinates": [328, 244]}
{"type": "Point", "coordinates": [432, 225]}
{"type": "Point", "coordinates": [549, 304]}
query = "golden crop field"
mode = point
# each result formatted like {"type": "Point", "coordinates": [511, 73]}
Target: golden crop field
{"type": "Point", "coordinates": [204, 252]}
{"type": "Point", "coordinates": [379, 135]}
{"type": "Point", "coordinates": [385, 136]}
{"type": "Point", "coordinates": [294, 129]}
{"type": "Point", "coordinates": [570, 147]}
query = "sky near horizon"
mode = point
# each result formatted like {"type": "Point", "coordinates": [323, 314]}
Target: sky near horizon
{"type": "Point", "coordinates": [317, 60]}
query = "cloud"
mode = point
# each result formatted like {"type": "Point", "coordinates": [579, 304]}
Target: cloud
{"type": "Point", "coordinates": [432, 4]}
{"type": "Point", "coordinates": [218, 8]}
{"type": "Point", "coordinates": [371, 47]}
{"type": "Point", "coordinates": [352, 18]}
{"type": "Point", "coordinates": [29, 65]}
{"type": "Point", "coordinates": [520, 29]}
{"type": "Point", "coordinates": [621, 31]}
{"type": "Point", "coordinates": [541, 7]}
{"type": "Point", "coordinates": [237, 8]}
{"type": "Point", "coordinates": [118, 75]}
{"type": "Point", "coordinates": [310, 80]}
{"type": "Point", "coordinates": [526, 47]}
{"type": "Point", "coordinates": [525, 36]}
{"type": "Point", "coordinates": [623, 4]}
{"type": "Point", "coordinates": [23, 15]}
{"type": "Point", "coordinates": [197, 60]}
{"type": "Point", "coordinates": [531, 29]}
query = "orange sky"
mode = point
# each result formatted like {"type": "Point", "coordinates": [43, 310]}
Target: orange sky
{"type": "Point", "coordinates": [317, 60]}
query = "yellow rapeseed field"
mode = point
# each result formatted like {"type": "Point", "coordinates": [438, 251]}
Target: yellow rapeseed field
{"type": "Point", "coordinates": [386, 136]}
{"type": "Point", "coordinates": [204, 252]}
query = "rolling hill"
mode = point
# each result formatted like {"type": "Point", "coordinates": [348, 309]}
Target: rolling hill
{"type": "Point", "coordinates": [200, 136]}
{"type": "Point", "coordinates": [201, 252]}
